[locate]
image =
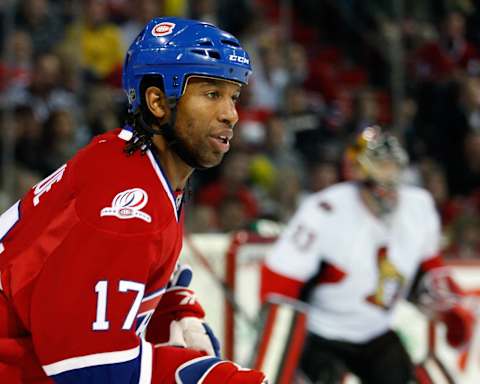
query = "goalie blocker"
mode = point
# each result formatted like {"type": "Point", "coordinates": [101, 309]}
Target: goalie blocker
{"type": "Point", "coordinates": [281, 338]}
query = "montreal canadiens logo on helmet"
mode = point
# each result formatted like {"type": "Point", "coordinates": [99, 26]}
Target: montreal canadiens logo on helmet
{"type": "Point", "coordinates": [163, 29]}
{"type": "Point", "coordinates": [128, 205]}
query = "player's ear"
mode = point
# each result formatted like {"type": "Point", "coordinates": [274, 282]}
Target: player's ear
{"type": "Point", "coordinates": [156, 102]}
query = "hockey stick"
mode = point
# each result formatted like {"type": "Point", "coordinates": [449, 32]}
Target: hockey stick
{"type": "Point", "coordinates": [280, 340]}
{"type": "Point", "coordinates": [422, 371]}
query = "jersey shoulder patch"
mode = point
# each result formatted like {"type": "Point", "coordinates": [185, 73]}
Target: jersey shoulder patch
{"type": "Point", "coordinates": [119, 192]}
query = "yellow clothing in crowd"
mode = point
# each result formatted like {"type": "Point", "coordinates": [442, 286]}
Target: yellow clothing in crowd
{"type": "Point", "coordinates": [101, 46]}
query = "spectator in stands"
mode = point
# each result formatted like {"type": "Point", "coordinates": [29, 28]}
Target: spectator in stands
{"type": "Point", "coordinates": [16, 69]}
{"type": "Point", "coordinates": [101, 110]}
{"type": "Point", "coordinates": [45, 93]}
{"type": "Point", "coordinates": [95, 42]}
{"type": "Point", "coordinates": [271, 76]}
{"type": "Point", "coordinates": [406, 123]}
{"type": "Point", "coordinates": [366, 110]}
{"type": "Point", "coordinates": [23, 179]}
{"type": "Point", "coordinates": [237, 22]}
{"type": "Point", "coordinates": [304, 121]}
{"type": "Point", "coordinates": [175, 7]}
{"type": "Point", "coordinates": [140, 11]}
{"type": "Point", "coordinates": [276, 155]}
{"type": "Point", "coordinates": [471, 101]}
{"type": "Point", "coordinates": [200, 219]}
{"type": "Point", "coordinates": [58, 140]}
{"type": "Point", "coordinates": [286, 195]}
{"type": "Point", "coordinates": [232, 183]}
{"type": "Point", "coordinates": [464, 242]}
{"type": "Point", "coordinates": [456, 128]}
{"type": "Point", "coordinates": [443, 58]}
{"type": "Point", "coordinates": [271, 165]}
{"type": "Point", "coordinates": [253, 118]}
{"type": "Point", "coordinates": [204, 10]}
{"type": "Point", "coordinates": [452, 137]}
{"type": "Point", "coordinates": [297, 63]}
{"type": "Point", "coordinates": [467, 178]}
{"type": "Point", "coordinates": [29, 151]}
{"type": "Point", "coordinates": [435, 181]}
{"type": "Point", "coordinates": [232, 216]}
{"type": "Point", "coordinates": [43, 21]}
{"type": "Point", "coordinates": [322, 174]}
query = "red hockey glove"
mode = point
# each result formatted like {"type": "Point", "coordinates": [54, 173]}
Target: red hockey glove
{"type": "Point", "coordinates": [444, 299]}
{"type": "Point", "coordinates": [179, 317]}
{"type": "Point", "coordinates": [460, 323]}
{"type": "Point", "coordinates": [211, 370]}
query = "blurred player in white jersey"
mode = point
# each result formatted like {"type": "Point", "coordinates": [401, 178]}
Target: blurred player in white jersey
{"type": "Point", "coordinates": [352, 252]}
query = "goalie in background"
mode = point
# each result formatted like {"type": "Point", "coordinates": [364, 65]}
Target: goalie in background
{"type": "Point", "coordinates": [352, 252]}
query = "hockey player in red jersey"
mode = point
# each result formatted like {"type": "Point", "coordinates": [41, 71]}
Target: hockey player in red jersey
{"type": "Point", "coordinates": [352, 252]}
{"type": "Point", "coordinates": [90, 287]}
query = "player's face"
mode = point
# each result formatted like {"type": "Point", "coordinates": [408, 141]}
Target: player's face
{"type": "Point", "coordinates": [386, 172]}
{"type": "Point", "coordinates": [385, 175]}
{"type": "Point", "coordinates": [206, 115]}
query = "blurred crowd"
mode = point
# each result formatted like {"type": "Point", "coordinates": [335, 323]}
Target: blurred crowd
{"type": "Point", "coordinates": [323, 70]}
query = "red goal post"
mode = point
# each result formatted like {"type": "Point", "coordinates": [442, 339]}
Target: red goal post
{"type": "Point", "coordinates": [224, 272]}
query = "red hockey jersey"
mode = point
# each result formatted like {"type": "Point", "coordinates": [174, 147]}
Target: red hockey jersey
{"type": "Point", "coordinates": [85, 256]}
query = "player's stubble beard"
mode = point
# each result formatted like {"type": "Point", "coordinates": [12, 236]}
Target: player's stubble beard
{"type": "Point", "coordinates": [182, 147]}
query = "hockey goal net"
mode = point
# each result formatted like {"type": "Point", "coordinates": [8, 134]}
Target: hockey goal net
{"type": "Point", "coordinates": [227, 281]}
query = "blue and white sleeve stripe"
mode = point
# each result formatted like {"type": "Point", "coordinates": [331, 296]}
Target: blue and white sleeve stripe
{"type": "Point", "coordinates": [122, 367]}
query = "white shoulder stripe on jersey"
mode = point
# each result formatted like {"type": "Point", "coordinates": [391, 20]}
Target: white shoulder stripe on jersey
{"type": "Point", "coordinates": [146, 363]}
{"type": "Point", "coordinates": [91, 361]}
{"type": "Point", "coordinates": [7, 220]}
{"type": "Point", "coordinates": [164, 182]}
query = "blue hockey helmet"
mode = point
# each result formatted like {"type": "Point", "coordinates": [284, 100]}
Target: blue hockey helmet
{"type": "Point", "coordinates": [176, 49]}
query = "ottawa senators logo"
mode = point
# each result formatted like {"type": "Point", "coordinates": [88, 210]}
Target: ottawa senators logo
{"type": "Point", "coordinates": [390, 282]}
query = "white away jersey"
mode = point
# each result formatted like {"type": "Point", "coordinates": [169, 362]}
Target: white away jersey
{"type": "Point", "coordinates": [367, 264]}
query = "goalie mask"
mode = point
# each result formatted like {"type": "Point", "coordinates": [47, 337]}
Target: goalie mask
{"type": "Point", "coordinates": [377, 160]}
